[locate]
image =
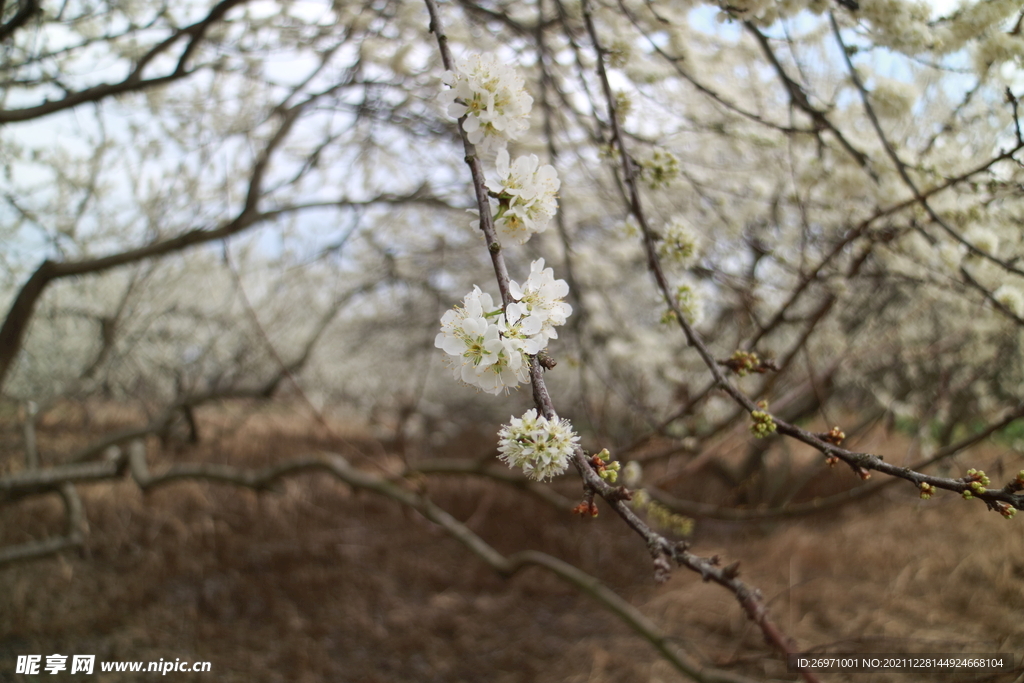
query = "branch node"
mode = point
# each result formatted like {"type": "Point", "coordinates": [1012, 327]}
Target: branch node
{"type": "Point", "coordinates": [662, 568]}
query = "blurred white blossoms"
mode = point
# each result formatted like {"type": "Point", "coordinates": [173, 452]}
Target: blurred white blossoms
{"type": "Point", "coordinates": [679, 245]}
{"type": "Point", "coordinates": [632, 474]}
{"type": "Point", "coordinates": [528, 195]}
{"type": "Point", "coordinates": [1011, 297]}
{"type": "Point", "coordinates": [542, 447]}
{"type": "Point", "coordinates": [983, 238]}
{"type": "Point", "coordinates": [489, 348]}
{"type": "Point", "coordinates": [540, 299]}
{"type": "Point", "coordinates": [690, 301]}
{"type": "Point", "coordinates": [492, 98]}
{"type": "Point", "coordinates": [951, 255]}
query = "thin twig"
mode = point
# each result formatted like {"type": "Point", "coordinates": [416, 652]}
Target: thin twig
{"type": "Point", "coordinates": [901, 167]}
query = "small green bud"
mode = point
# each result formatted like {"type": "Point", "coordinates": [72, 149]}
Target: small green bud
{"type": "Point", "coordinates": [978, 476]}
{"type": "Point", "coordinates": [763, 425]}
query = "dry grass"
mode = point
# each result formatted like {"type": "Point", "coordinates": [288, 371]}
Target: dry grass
{"type": "Point", "coordinates": [315, 583]}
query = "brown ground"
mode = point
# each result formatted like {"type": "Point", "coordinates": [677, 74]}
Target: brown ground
{"type": "Point", "coordinates": [316, 583]}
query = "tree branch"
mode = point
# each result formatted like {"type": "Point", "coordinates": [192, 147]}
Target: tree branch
{"type": "Point", "coordinates": [26, 8]}
{"type": "Point", "coordinates": [339, 468]}
{"type": "Point", "coordinates": [133, 82]}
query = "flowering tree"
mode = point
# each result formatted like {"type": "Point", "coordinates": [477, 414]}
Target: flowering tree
{"type": "Point", "coordinates": [765, 219]}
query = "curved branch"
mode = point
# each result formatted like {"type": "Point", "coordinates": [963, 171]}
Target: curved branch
{"type": "Point", "coordinates": [18, 316]}
{"type": "Point", "coordinates": [798, 98]}
{"type": "Point", "coordinates": [25, 11]}
{"type": "Point", "coordinates": [133, 82]}
{"type": "Point", "coordinates": [484, 469]}
{"type": "Point", "coordinates": [338, 467]}
{"type": "Point", "coordinates": [74, 535]}
{"type": "Point", "coordinates": [20, 313]}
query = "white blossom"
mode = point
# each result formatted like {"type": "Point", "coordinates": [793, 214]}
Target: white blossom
{"type": "Point", "coordinates": [983, 238]}
{"type": "Point", "coordinates": [632, 474]}
{"type": "Point", "coordinates": [540, 446]}
{"type": "Point", "coordinates": [679, 245]}
{"type": "Point", "coordinates": [1012, 297]}
{"type": "Point", "coordinates": [540, 300]}
{"type": "Point", "coordinates": [893, 99]}
{"type": "Point", "coordinates": [952, 255]}
{"type": "Point", "coordinates": [528, 196]}
{"type": "Point", "coordinates": [489, 348]}
{"type": "Point", "coordinates": [486, 352]}
{"type": "Point", "coordinates": [510, 370]}
{"type": "Point", "coordinates": [467, 333]}
{"type": "Point", "coordinates": [691, 303]}
{"type": "Point", "coordinates": [492, 97]}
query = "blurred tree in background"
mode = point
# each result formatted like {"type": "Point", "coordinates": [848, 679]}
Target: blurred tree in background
{"type": "Point", "coordinates": [267, 201]}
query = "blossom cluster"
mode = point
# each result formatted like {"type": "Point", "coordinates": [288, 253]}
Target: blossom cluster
{"type": "Point", "coordinates": [680, 244]}
{"type": "Point", "coordinates": [491, 96]}
{"type": "Point", "coordinates": [489, 347]}
{"type": "Point", "coordinates": [527, 193]}
{"type": "Point", "coordinates": [542, 447]}
{"type": "Point", "coordinates": [540, 298]}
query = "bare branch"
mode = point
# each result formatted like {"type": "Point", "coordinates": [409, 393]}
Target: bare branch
{"type": "Point", "coordinates": [338, 467]}
{"type": "Point", "coordinates": [798, 98]}
{"type": "Point", "coordinates": [26, 8]}
{"type": "Point", "coordinates": [74, 535]}
{"type": "Point", "coordinates": [901, 167]}
{"type": "Point", "coordinates": [134, 81]}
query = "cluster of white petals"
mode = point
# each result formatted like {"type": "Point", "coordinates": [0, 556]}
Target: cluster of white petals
{"type": "Point", "coordinates": [491, 96]}
{"type": "Point", "coordinates": [679, 245]}
{"type": "Point", "coordinates": [540, 299]}
{"type": "Point", "coordinates": [540, 446]}
{"type": "Point", "coordinates": [983, 238]}
{"type": "Point", "coordinates": [691, 303]}
{"type": "Point", "coordinates": [487, 352]}
{"type": "Point", "coordinates": [528, 195]}
{"type": "Point", "coordinates": [1012, 297]}
{"type": "Point", "coordinates": [489, 348]}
